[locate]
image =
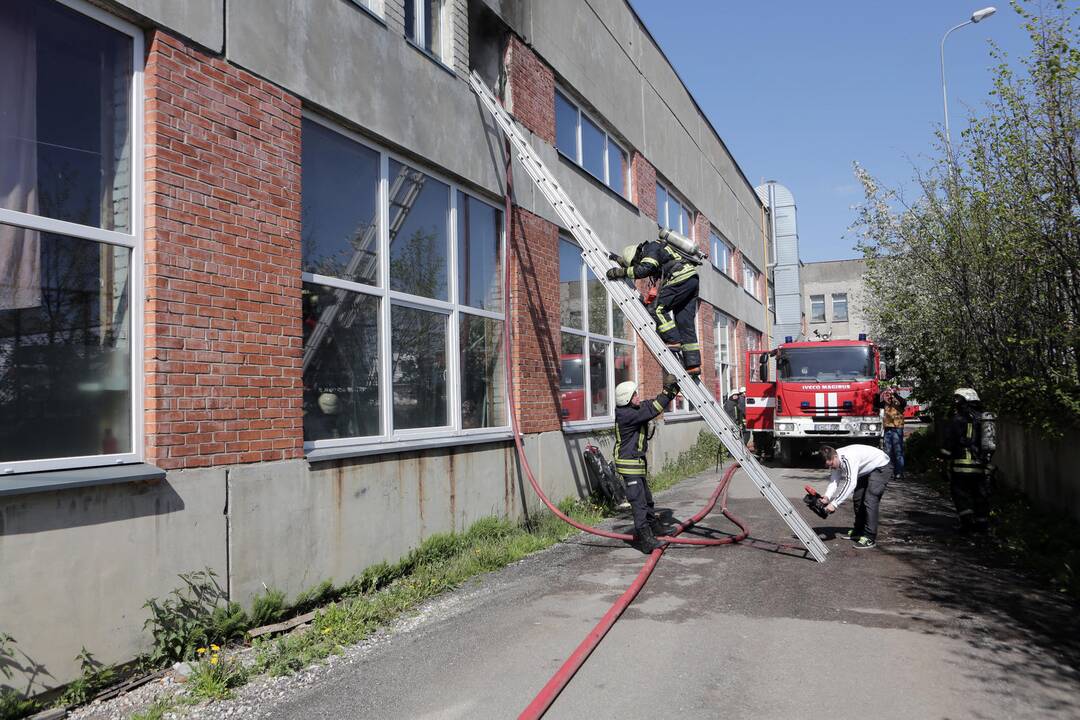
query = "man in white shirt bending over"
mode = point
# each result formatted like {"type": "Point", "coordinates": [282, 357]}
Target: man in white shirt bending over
{"type": "Point", "coordinates": [861, 472]}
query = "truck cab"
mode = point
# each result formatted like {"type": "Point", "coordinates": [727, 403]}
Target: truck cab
{"type": "Point", "coordinates": [805, 394]}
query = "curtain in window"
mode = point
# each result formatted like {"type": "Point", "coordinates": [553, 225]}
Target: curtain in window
{"type": "Point", "coordinates": [20, 249]}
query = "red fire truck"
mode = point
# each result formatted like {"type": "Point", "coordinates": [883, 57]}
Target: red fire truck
{"type": "Point", "coordinates": [805, 394]}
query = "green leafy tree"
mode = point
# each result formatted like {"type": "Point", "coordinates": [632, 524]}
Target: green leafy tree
{"type": "Point", "coordinates": [976, 281]}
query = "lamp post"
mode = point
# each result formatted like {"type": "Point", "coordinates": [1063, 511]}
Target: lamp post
{"type": "Point", "coordinates": [975, 17]}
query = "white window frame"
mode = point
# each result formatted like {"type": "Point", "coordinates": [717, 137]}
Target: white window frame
{"type": "Point", "coordinates": [664, 220]}
{"type": "Point", "coordinates": [588, 336]}
{"type": "Point", "coordinates": [375, 7]}
{"type": "Point", "coordinates": [847, 312]}
{"type": "Point", "coordinates": [133, 241]}
{"type": "Point", "coordinates": [389, 439]}
{"type": "Point", "coordinates": [609, 141]}
{"type": "Point", "coordinates": [420, 31]}
{"type": "Point", "coordinates": [751, 279]}
{"type": "Point", "coordinates": [679, 407]}
{"type": "Point", "coordinates": [722, 247]}
{"type": "Point", "coordinates": [722, 327]}
{"type": "Point", "coordinates": [824, 317]}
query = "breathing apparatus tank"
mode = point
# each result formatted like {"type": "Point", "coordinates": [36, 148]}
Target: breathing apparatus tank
{"type": "Point", "coordinates": [683, 244]}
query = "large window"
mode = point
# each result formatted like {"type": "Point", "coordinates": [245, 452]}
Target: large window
{"type": "Point", "coordinates": [582, 140]}
{"type": "Point", "coordinates": [427, 25]}
{"type": "Point", "coordinates": [724, 380]}
{"type": "Point", "coordinates": [396, 346]}
{"type": "Point", "coordinates": [817, 308]}
{"type": "Point", "coordinates": [70, 238]}
{"type": "Point", "coordinates": [672, 213]}
{"type": "Point", "coordinates": [597, 345]}
{"type": "Point", "coordinates": [723, 253]}
{"type": "Point", "coordinates": [839, 307]}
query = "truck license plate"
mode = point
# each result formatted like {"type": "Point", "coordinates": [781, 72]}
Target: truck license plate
{"type": "Point", "coordinates": [826, 426]}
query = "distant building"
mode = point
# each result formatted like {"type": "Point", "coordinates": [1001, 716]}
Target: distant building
{"type": "Point", "coordinates": [832, 299]}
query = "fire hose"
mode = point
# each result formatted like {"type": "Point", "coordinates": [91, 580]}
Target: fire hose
{"type": "Point", "coordinates": [562, 677]}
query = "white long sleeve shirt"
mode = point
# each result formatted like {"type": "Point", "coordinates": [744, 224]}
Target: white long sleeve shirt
{"type": "Point", "coordinates": [855, 461]}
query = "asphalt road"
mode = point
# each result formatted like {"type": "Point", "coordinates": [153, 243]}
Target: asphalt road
{"type": "Point", "coordinates": [923, 626]}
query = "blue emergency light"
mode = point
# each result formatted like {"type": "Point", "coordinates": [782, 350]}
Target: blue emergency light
{"type": "Point", "coordinates": [862, 337]}
{"type": "Point", "coordinates": [787, 338]}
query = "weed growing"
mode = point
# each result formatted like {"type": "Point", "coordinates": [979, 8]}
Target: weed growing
{"type": "Point", "coordinates": [214, 676]}
{"type": "Point", "coordinates": [94, 677]}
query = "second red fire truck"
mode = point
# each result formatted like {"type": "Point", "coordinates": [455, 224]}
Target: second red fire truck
{"type": "Point", "coordinates": [805, 394]}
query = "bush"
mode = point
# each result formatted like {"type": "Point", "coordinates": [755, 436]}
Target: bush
{"type": "Point", "coordinates": [191, 617]}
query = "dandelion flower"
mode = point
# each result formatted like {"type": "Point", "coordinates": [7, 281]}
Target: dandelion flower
{"type": "Point", "coordinates": [213, 660]}
{"type": "Point", "coordinates": [201, 651]}
{"type": "Point", "coordinates": [215, 648]}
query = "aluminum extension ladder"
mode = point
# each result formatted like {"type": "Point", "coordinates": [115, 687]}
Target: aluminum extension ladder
{"type": "Point", "coordinates": [596, 257]}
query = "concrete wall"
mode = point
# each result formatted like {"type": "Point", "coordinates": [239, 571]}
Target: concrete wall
{"type": "Point", "coordinates": [77, 565]}
{"type": "Point", "coordinates": [1045, 471]}
{"type": "Point", "coordinates": [836, 276]}
{"type": "Point", "coordinates": [202, 21]}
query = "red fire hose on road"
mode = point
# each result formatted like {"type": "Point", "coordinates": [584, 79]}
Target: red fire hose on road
{"type": "Point", "coordinates": [555, 685]}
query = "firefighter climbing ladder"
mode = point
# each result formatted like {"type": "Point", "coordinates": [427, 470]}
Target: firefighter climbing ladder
{"type": "Point", "coordinates": [596, 257]}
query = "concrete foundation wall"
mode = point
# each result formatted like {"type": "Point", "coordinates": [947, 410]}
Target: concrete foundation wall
{"type": "Point", "coordinates": [77, 565]}
{"type": "Point", "coordinates": [286, 525]}
{"type": "Point", "coordinates": [1045, 471]}
{"type": "Point", "coordinates": [200, 20]}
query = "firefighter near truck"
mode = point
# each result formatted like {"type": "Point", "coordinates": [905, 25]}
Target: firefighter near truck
{"type": "Point", "coordinates": [805, 394]}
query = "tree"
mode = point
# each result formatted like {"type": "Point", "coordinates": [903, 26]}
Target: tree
{"type": "Point", "coordinates": [977, 281]}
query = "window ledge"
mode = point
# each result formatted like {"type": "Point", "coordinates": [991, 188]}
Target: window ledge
{"type": "Point", "coordinates": [588, 426]}
{"type": "Point", "coordinates": [430, 56]}
{"type": "Point", "coordinates": [341, 452]}
{"type": "Point", "coordinates": [370, 13]}
{"type": "Point", "coordinates": [53, 480]}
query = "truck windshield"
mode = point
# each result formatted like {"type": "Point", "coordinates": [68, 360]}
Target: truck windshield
{"type": "Point", "coordinates": [826, 364]}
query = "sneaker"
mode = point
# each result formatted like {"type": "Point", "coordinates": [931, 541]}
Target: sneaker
{"type": "Point", "coordinates": [864, 542]}
{"type": "Point", "coordinates": [850, 535]}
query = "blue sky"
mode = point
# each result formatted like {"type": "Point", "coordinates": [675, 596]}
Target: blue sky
{"type": "Point", "coordinates": [799, 90]}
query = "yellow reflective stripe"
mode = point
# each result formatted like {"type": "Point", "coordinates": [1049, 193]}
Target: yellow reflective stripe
{"type": "Point", "coordinates": [658, 406]}
{"type": "Point", "coordinates": [687, 272]}
{"type": "Point", "coordinates": [651, 261]}
{"type": "Point", "coordinates": [691, 346]}
{"type": "Point", "coordinates": [968, 470]}
{"type": "Point", "coordinates": [664, 327]}
{"type": "Point", "coordinates": [638, 464]}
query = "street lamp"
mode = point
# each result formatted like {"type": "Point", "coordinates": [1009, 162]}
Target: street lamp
{"type": "Point", "coordinates": [975, 17]}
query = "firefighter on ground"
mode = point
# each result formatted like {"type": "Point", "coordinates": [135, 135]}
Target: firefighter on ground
{"type": "Point", "coordinates": [676, 303]}
{"type": "Point", "coordinates": [969, 477]}
{"type": "Point", "coordinates": [631, 446]}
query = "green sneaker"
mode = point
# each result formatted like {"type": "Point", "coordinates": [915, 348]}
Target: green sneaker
{"type": "Point", "coordinates": [851, 535]}
{"type": "Point", "coordinates": [864, 542]}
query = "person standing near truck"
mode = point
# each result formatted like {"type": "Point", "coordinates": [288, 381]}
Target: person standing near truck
{"type": "Point", "coordinates": [893, 406]}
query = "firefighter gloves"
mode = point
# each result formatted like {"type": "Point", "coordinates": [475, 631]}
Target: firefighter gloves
{"type": "Point", "coordinates": [616, 273]}
{"type": "Point", "coordinates": [671, 386]}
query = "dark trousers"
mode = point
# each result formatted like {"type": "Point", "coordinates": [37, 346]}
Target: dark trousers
{"type": "Point", "coordinates": [640, 498]}
{"type": "Point", "coordinates": [971, 495]}
{"type": "Point", "coordinates": [867, 498]}
{"type": "Point", "coordinates": [894, 447]}
{"type": "Point", "coordinates": [680, 302]}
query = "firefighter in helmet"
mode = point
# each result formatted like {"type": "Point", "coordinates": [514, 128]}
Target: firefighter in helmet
{"type": "Point", "coordinates": [676, 304]}
{"type": "Point", "coordinates": [631, 446]}
{"type": "Point", "coordinates": [969, 477]}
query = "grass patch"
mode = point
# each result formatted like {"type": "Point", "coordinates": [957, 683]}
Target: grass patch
{"type": "Point", "coordinates": [697, 459]}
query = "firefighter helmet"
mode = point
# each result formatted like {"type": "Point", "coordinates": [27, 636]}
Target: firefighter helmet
{"type": "Point", "coordinates": [629, 253]}
{"type": "Point", "coordinates": [966, 394]}
{"type": "Point", "coordinates": [624, 392]}
{"type": "Point", "coordinates": [742, 390]}
{"type": "Point", "coordinates": [328, 403]}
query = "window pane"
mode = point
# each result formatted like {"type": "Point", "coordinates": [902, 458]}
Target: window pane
{"type": "Point", "coordinates": [65, 129]}
{"type": "Point", "coordinates": [572, 377]}
{"type": "Point", "coordinates": [684, 222]}
{"type": "Point", "coordinates": [410, 19]}
{"type": "Point", "coordinates": [570, 264]}
{"type": "Point", "coordinates": [661, 206]}
{"type": "Point", "coordinates": [566, 116]}
{"type": "Point", "coordinates": [479, 240]}
{"type": "Point", "coordinates": [418, 362]}
{"type": "Point", "coordinates": [592, 148]}
{"type": "Point", "coordinates": [338, 206]}
{"type": "Point", "coordinates": [598, 303]}
{"type": "Point", "coordinates": [433, 26]}
{"type": "Point", "coordinates": [483, 391]}
{"type": "Point", "coordinates": [419, 214]}
{"type": "Point", "coordinates": [622, 329]}
{"type": "Point", "coordinates": [617, 166]}
{"type": "Point", "coordinates": [341, 363]}
{"type": "Point", "coordinates": [598, 379]}
{"type": "Point", "coordinates": [817, 308]}
{"type": "Point", "coordinates": [65, 347]}
{"type": "Point", "coordinates": [624, 363]}
{"type": "Point", "coordinates": [839, 307]}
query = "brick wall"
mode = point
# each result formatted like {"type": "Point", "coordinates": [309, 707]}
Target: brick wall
{"type": "Point", "coordinates": [644, 184]}
{"type": "Point", "coordinates": [708, 348]}
{"type": "Point", "coordinates": [701, 232]}
{"type": "Point", "coordinates": [531, 91]}
{"type": "Point", "coordinates": [223, 335]}
{"type": "Point", "coordinates": [534, 273]}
